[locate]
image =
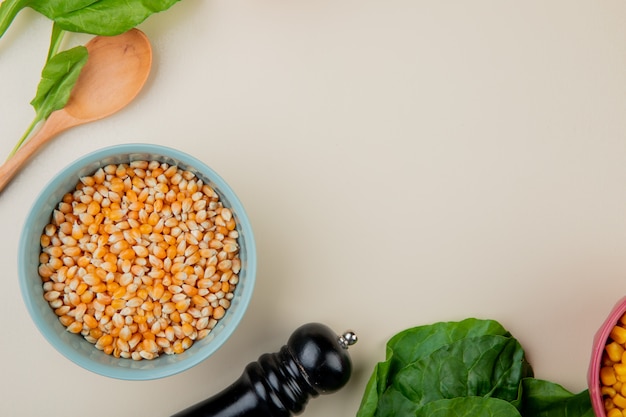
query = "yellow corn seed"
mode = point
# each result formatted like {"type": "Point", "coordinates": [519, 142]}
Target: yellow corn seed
{"type": "Point", "coordinates": [115, 332]}
{"type": "Point", "coordinates": [178, 347]}
{"type": "Point", "coordinates": [157, 291]}
{"type": "Point", "coordinates": [131, 196]}
{"type": "Point", "coordinates": [169, 333]}
{"type": "Point", "coordinates": [159, 252]}
{"type": "Point", "coordinates": [623, 319]}
{"type": "Point", "coordinates": [141, 251]}
{"type": "Point", "coordinates": [116, 215]}
{"type": "Point", "coordinates": [90, 321]}
{"type": "Point", "coordinates": [135, 339]}
{"type": "Point", "coordinates": [99, 252]}
{"type": "Point", "coordinates": [75, 327]}
{"type": "Point", "coordinates": [104, 340]}
{"type": "Point", "coordinates": [167, 296]}
{"type": "Point", "coordinates": [95, 333]}
{"type": "Point", "coordinates": [175, 317]}
{"type": "Point", "coordinates": [145, 228]}
{"type": "Point", "coordinates": [607, 374]}
{"type": "Point", "coordinates": [61, 311]}
{"type": "Point", "coordinates": [608, 391]}
{"type": "Point", "coordinates": [55, 251]}
{"type": "Point", "coordinates": [618, 334]}
{"type": "Point", "coordinates": [119, 303]}
{"type": "Point", "coordinates": [615, 351]}
{"type": "Point", "coordinates": [66, 320]}
{"type": "Point", "coordinates": [93, 208]}
{"type": "Point", "coordinates": [77, 232]}
{"type": "Point", "coordinates": [87, 297]}
{"type": "Point", "coordinates": [162, 342]}
{"type": "Point", "coordinates": [188, 289]}
{"type": "Point", "coordinates": [125, 334]}
{"type": "Point", "coordinates": [186, 343]}
{"type": "Point", "coordinates": [82, 287]}
{"type": "Point", "coordinates": [83, 261]}
{"type": "Point", "coordinates": [186, 317]}
{"type": "Point", "coordinates": [102, 287]}
{"type": "Point", "coordinates": [219, 312]}
{"type": "Point", "coordinates": [118, 247]}
{"type": "Point", "coordinates": [142, 293]}
{"type": "Point", "coordinates": [614, 412]}
{"type": "Point", "coordinates": [134, 302]}
{"type": "Point", "coordinates": [215, 287]}
{"type": "Point", "coordinates": [620, 369]}
{"type": "Point", "coordinates": [619, 401]}
{"type": "Point", "coordinates": [147, 336]}
{"type": "Point", "coordinates": [153, 219]}
{"type": "Point", "coordinates": [117, 186]}
{"type": "Point", "coordinates": [183, 305]}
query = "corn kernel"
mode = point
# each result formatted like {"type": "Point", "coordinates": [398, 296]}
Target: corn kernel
{"type": "Point", "coordinates": [618, 334]}
{"type": "Point", "coordinates": [619, 401]}
{"type": "Point", "coordinates": [104, 340]}
{"type": "Point", "coordinates": [620, 369]}
{"type": "Point", "coordinates": [75, 327]}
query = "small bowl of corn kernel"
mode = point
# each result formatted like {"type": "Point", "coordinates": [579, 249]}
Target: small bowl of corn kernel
{"type": "Point", "coordinates": [137, 261]}
{"type": "Point", "coordinates": [607, 370]}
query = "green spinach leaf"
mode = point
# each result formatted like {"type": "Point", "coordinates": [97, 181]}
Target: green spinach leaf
{"type": "Point", "coordinates": [484, 366]}
{"type": "Point", "coordinates": [410, 345]}
{"type": "Point", "coordinates": [467, 407]}
{"type": "Point", "coordinates": [461, 369]}
{"type": "Point", "coordinates": [105, 17]}
{"type": "Point", "coordinates": [8, 10]}
{"type": "Point", "coordinates": [53, 9]}
{"type": "Point", "coordinates": [541, 398]}
{"type": "Point", "coordinates": [61, 71]}
{"type": "Point", "coordinates": [57, 80]}
{"type": "Point", "coordinates": [49, 8]}
{"type": "Point", "coordinates": [98, 17]}
{"type": "Point", "coordinates": [413, 344]}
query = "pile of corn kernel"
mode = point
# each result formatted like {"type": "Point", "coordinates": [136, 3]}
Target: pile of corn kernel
{"type": "Point", "coordinates": [140, 259]}
{"type": "Point", "coordinates": [613, 371]}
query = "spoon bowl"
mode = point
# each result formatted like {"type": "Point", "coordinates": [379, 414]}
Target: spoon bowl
{"type": "Point", "coordinates": [115, 72]}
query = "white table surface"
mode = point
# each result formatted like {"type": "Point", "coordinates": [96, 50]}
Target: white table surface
{"type": "Point", "coordinates": [402, 162]}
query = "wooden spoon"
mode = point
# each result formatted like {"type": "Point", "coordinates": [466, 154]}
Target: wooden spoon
{"type": "Point", "coordinates": [115, 71]}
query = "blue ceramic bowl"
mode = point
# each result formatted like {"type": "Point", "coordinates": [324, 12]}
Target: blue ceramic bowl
{"type": "Point", "coordinates": [74, 347]}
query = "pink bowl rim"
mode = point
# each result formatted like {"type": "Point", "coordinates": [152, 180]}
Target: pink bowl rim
{"type": "Point", "coordinates": [599, 342]}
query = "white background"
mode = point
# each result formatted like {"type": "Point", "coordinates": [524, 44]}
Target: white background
{"type": "Point", "coordinates": [403, 162]}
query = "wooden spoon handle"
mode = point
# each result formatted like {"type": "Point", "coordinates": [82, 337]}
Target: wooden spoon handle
{"type": "Point", "coordinates": [57, 122]}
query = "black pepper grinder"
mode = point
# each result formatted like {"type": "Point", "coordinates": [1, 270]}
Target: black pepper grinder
{"type": "Point", "coordinates": [314, 361]}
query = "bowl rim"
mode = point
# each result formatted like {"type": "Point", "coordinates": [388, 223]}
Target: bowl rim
{"type": "Point", "coordinates": [189, 359]}
{"type": "Point", "coordinates": [599, 342]}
